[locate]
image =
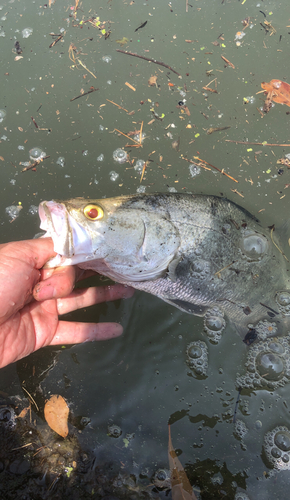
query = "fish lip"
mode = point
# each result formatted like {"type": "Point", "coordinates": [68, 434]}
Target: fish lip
{"type": "Point", "coordinates": [54, 220]}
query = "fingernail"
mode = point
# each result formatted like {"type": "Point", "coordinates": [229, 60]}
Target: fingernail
{"type": "Point", "coordinates": [44, 292]}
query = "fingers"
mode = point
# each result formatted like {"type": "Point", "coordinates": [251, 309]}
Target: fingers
{"type": "Point", "coordinates": [75, 333]}
{"type": "Point", "coordinates": [85, 297]}
{"type": "Point", "coordinates": [58, 282]}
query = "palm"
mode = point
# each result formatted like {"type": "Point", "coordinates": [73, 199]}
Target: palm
{"type": "Point", "coordinates": [27, 324]}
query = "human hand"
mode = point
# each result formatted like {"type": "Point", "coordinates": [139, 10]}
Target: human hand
{"type": "Point", "coordinates": [32, 298]}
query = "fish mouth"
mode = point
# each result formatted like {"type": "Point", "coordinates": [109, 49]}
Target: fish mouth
{"type": "Point", "coordinates": [55, 221]}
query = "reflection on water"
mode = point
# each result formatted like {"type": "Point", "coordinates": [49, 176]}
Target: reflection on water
{"type": "Point", "coordinates": [145, 379]}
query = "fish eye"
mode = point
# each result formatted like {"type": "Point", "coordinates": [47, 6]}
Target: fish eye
{"type": "Point", "coordinates": [93, 212]}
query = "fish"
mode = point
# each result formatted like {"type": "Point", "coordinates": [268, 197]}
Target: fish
{"type": "Point", "coordinates": [193, 251]}
{"type": "Point", "coordinates": [279, 91]}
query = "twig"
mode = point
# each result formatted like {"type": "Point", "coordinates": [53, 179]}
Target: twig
{"type": "Point", "coordinates": [34, 122]}
{"type": "Point", "coordinates": [281, 251]}
{"type": "Point", "coordinates": [118, 105]}
{"type": "Point", "coordinates": [55, 41]}
{"type": "Point", "coordinates": [147, 59]}
{"type": "Point", "coordinates": [258, 143]}
{"type": "Point", "coordinates": [237, 192]}
{"type": "Point", "coordinates": [30, 397]}
{"type": "Point", "coordinates": [228, 62]}
{"type": "Point", "coordinates": [127, 137]}
{"type": "Point", "coordinates": [85, 93]}
{"type": "Point", "coordinates": [216, 168]}
{"type": "Point", "coordinates": [86, 68]}
{"type": "Point", "coordinates": [37, 162]}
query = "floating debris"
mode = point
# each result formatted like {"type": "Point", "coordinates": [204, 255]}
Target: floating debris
{"type": "Point", "coordinates": [27, 32]}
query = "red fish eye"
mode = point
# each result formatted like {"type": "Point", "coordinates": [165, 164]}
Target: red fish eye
{"type": "Point", "coordinates": [93, 213]}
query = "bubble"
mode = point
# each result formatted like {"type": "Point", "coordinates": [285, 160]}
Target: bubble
{"type": "Point", "coordinates": [137, 137]}
{"type": "Point", "coordinates": [200, 269]}
{"type": "Point", "coordinates": [106, 59]}
{"type": "Point", "coordinates": [277, 447]}
{"type": "Point", "coordinates": [141, 189]}
{"type": "Point", "coordinates": [13, 211]}
{"type": "Point", "coordinates": [172, 190]}
{"type": "Point", "coordinates": [268, 364]}
{"type": "Point", "coordinates": [253, 245]}
{"type": "Point", "coordinates": [282, 440]}
{"type": "Point", "coordinates": [114, 431]}
{"type": "Point", "coordinates": [120, 155]}
{"type": "Point", "coordinates": [197, 357]}
{"type": "Point", "coordinates": [7, 417]}
{"type": "Point", "coordinates": [239, 35]}
{"type": "Point", "coordinates": [2, 115]}
{"type": "Point", "coordinates": [214, 324]}
{"type": "Point", "coordinates": [113, 175]}
{"type": "Point", "coordinates": [194, 170]}
{"type": "Point", "coordinates": [161, 478]}
{"type": "Point", "coordinates": [20, 147]}
{"type": "Point", "coordinates": [27, 32]}
{"type": "Point", "coordinates": [36, 154]}
{"type": "Point", "coordinates": [241, 496]}
{"type": "Point", "coordinates": [276, 347]}
{"type": "Point", "coordinates": [264, 329]}
{"type": "Point", "coordinates": [61, 161]}
{"type": "Point", "coordinates": [240, 429]}
{"type": "Point", "coordinates": [283, 301]}
{"type": "Point", "coordinates": [85, 152]}
{"type": "Point", "coordinates": [139, 165]}
{"type": "Point", "coordinates": [33, 210]}
{"type": "Point", "coordinates": [250, 99]}
{"type": "Point", "coordinates": [100, 157]}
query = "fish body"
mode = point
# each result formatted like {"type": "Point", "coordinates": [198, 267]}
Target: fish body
{"type": "Point", "coordinates": [193, 251]}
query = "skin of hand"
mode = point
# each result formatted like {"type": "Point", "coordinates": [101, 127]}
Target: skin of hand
{"type": "Point", "coordinates": [32, 298]}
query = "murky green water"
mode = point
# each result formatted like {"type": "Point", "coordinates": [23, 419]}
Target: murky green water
{"type": "Point", "coordinates": [141, 381]}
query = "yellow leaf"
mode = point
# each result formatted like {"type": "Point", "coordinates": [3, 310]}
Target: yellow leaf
{"type": "Point", "coordinates": [56, 413]}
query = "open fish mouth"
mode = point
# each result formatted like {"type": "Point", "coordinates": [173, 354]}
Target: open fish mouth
{"type": "Point", "coordinates": [66, 234]}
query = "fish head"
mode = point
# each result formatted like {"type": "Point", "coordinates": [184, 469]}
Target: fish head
{"type": "Point", "coordinates": [111, 236]}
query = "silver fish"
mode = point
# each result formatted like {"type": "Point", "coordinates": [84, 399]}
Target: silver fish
{"type": "Point", "coordinates": [193, 251]}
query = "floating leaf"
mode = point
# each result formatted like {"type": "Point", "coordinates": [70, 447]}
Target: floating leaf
{"type": "Point", "coordinates": [180, 486]}
{"type": "Point", "coordinates": [56, 413]}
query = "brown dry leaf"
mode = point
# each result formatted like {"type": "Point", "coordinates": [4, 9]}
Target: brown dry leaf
{"type": "Point", "coordinates": [20, 129]}
{"type": "Point", "coordinates": [17, 58]}
{"type": "Point", "coordinates": [152, 81]}
{"type": "Point", "coordinates": [1, 158]}
{"type": "Point", "coordinates": [56, 413]}
{"type": "Point", "coordinates": [180, 486]}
